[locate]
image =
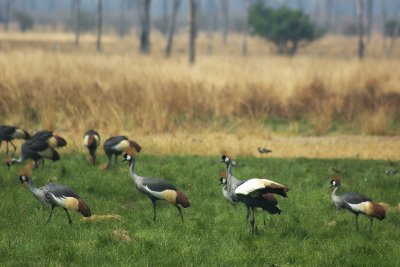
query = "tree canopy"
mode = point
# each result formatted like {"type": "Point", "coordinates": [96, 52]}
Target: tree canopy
{"type": "Point", "coordinates": [283, 26]}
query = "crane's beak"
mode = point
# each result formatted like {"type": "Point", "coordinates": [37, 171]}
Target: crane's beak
{"type": "Point", "coordinates": [220, 161]}
{"type": "Point", "coordinates": [123, 160]}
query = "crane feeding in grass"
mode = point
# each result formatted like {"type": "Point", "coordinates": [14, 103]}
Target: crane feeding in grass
{"type": "Point", "coordinates": [115, 145]}
{"type": "Point", "coordinates": [91, 141]}
{"type": "Point", "coordinates": [254, 193]}
{"type": "Point", "coordinates": [357, 203]}
{"type": "Point", "coordinates": [35, 149]}
{"type": "Point", "coordinates": [155, 188]}
{"type": "Point", "coordinates": [57, 195]}
{"type": "Point", "coordinates": [53, 140]}
{"type": "Point", "coordinates": [9, 133]}
{"type": "Point", "coordinates": [232, 198]}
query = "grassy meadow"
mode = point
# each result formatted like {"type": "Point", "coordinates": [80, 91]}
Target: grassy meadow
{"type": "Point", "coordinates": [309, 232]}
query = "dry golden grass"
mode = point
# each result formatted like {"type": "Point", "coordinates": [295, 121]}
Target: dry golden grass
{"type": "Point", "coordinates": [46, 82]}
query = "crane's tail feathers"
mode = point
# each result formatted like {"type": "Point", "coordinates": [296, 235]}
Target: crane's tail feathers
{"type": "Point", "coordinates": [83, 208]}
{"type": "Point", "coordinates": [270, 198]}
{"type": "Point", "coordinates": [55, 156]}
{"type": "Point", "coordinates": [272, 209]}
{"type": "Point", "coordinates": [57, 141]}
{"type": "Point", "coordinates": [377, 210]}
{"type": "Point", "coordinates": [276, 190]}
{"type": "Point", "coordinates": [135, 145]}
{"type": "Point", "coordinates": [182, 200]}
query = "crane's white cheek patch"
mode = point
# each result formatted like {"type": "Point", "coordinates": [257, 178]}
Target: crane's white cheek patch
{"type": "Point", "coordinates": [71, 203]}
{"type": "Point", "coordinates": [170, 196]}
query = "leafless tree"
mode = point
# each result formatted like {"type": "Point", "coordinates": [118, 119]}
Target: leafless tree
{"type": "Point", "coordinates": [225, 18]}
{"type": "Point", "coordinates": [192, 34]}
{"type": "Point", "coordinates": [171, 27]}
{"type": "Point", "coordinates": [145, 33]}
{"type": "Point", "coordinates": [247, 4]}
{"type": "Point", "coordinates": [77, 21]}
{"type": "Point", "coordinates": [210, 17]}
{"type": "Point", "coordinates": [369, 14]}
{"type": "Point", "coordinates": [361, 46]}
{"type": "Point", "coordinates": [99, 24]}
{"type": "Point", "coordinates": [395, 33]}
{"type": "Point", "coordinates": [7, 15]}
{"type": "Point", "coordinates": [165, 17]}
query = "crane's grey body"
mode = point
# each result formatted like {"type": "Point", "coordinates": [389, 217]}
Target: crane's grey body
{"type": "Point", "coordinates": [52, 194]}
{"type": "Point", "coordinates": [357, 204]}
{"type": "Point", "coordinates": [111, 147]}
{"type": "Point", "coordinates": [91, 140]}
{"type": "Point", "coordinates": [9, 133]}
{"type": "Point", "coordinates": [153, 188]}
{"type": "Point", "coordinates": [42, 134]}
{"type": "Point", "coordinates": [36, 149]}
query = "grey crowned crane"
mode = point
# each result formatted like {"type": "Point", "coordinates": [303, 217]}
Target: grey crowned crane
{"type": "Point", "coordinates": [156, 189]}
{"type": "Point", "coordinates": [57, 195]}
{"type": "Point", "coordinates": [357, 203]}
{"type": "Point", "coordinates": [53, 140]}
{"type": "Point", "coordinates": [35, 149]}
{"type": "Point", "coordinates": [9, 133]}
{"type": "Point", "coordinates": [254, 193]}
{"type": "Point", "coordinates": [91, 141]}
{"type": "Point", "coordinates": [115, 145]}
{"type": "Point", "coordinates": [232, 199]}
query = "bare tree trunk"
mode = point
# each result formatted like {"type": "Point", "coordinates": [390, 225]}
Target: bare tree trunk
{"type": "Point", "coordinates": [360, 24]}
{"type": "Point", "coordinates": [145, 34]}
{"type": "Point", "coordinates": [247, 4]}
{"type": "Point", "coordinates": [370, 6]}
{"type": "Point", "coordinates": [192, 35]}
{"type": "Point", "coordinates": [383, 14]}
{"type": "Point", "coordinates": [171, 28]}
{"type": "Point", "coordinates": [225, 15]}
{"type": "Point", "coordinates": [210, 11]}
{"type": "Point", "coordinates": [396, 32]}
{"type": "Point", "coordinates": [7, 16]}
{"type": "Point", "coordinates": [165, 17]}
{"type": "Point", "coordinates": [77, 21]}
{"type": "Point", "coordinates": [328, 12]}
{"type": "Point", "coordinates": [99, 24]}
{"type": "Point", "coordinates": [122, 18]}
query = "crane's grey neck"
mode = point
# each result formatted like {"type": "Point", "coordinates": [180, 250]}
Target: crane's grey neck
{"type": "Point", "coordinates": [335, 197]}
{"type": "Point", "coordinates": [228, 170]}
{"type": "Point", "coordinates": [137, 180]}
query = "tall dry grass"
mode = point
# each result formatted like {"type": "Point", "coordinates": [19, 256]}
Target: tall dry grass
{"type": "Point", "coordinates": [56, 86]}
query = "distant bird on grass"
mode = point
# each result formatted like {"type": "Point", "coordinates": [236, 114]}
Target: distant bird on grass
{"type": "Point", "coordinates": [91, 141]}
{"type": "Point", "coordinates": [254, 193]}
{"type": "Point", "coordinates": [357, 203]}
{"type": "Point", "coordinates": [264, 150]}
{"type": "Point", "coordinates": [35, 149]}
{"type": "Point", "coordinates": [57, 195]}
{"type": "Point", "coordinates": [156, 189]}
{"type": "Point", "coordinates": [115, 145]}
{"type": "Point", "coordinates": [9, 133]}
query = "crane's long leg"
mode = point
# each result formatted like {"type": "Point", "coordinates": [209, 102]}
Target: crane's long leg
{"type": "Point", "coordinates": [109, 160]}
{"type": "Point", "coordinates": [154, 210]}
{"type": "Point", "coordinates": [180, 212]}
{"type": "Point", "coordinates": [370, 226]}
{"type": "Point", "coordinates": [69, 218]}
{"type": "Point", "coordinates": [248, 213]}
{"type": "Point", "coordinates": [15, 148]}
{"type": "Point", "coordinates": [51, 213]}
{"type": "Point", "coordinates": [7, 148]}
{"type": "Point", "coordinates": [42, 163]}
{"type": "Point", "coordinates": [357, 222]}
{"type": "Point", "coordinates": [116, 159]}
{"type": "Point", "coordinates": [265, 223]}
{"type": "Point", "coordinates": [253, 220]}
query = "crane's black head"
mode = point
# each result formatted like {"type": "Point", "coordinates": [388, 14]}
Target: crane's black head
{"type": "Point", "coordinates": [225, 159]}
{"type": "Point", "coordinates": [129, 158]}
{"type": "Point", "coordinates": [222, 180]}
{"type": "Point", "coordinates": [24, 179]}
{"type": "Point", "coordinates": [335, 182]}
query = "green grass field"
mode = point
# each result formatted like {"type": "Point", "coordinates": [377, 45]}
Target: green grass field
{"type": "Point", "coordinates": [309, 232]}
